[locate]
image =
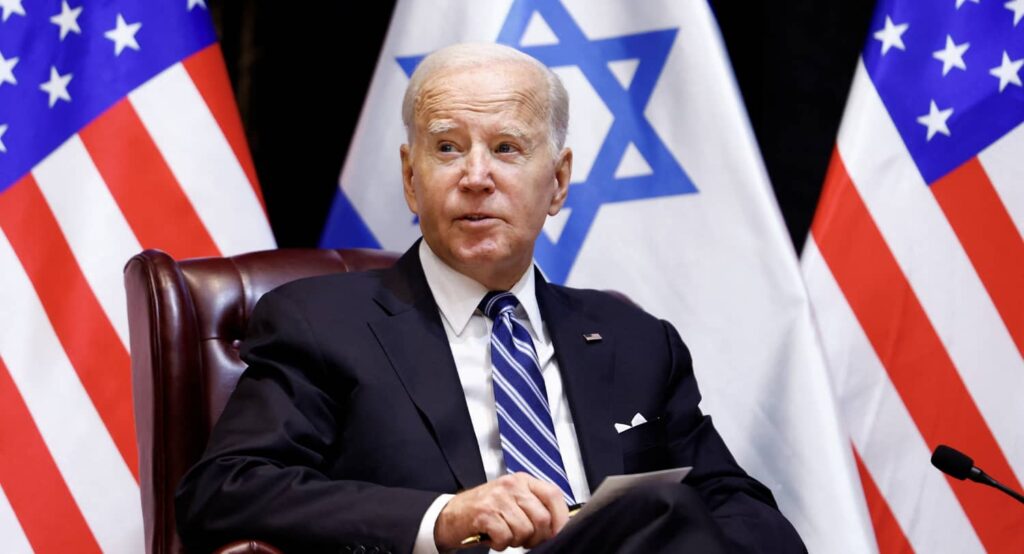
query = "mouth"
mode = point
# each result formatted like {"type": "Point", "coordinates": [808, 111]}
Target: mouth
{"type": "Point", "coordinates": [475, 217]}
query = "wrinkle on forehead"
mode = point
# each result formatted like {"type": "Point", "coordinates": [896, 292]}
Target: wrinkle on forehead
{"type": "Point", "coordinates": [514, 91]}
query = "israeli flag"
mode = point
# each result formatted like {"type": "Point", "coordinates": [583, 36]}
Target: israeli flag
{"type": "Point", "coordinates": [669, 203]}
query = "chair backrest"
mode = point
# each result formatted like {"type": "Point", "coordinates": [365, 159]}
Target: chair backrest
{"type": "Point", "coordinates": [186, 320]}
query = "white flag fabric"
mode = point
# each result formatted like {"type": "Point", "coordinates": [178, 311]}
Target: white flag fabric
{"type": "Point", "coordinates": [915, 267]}
{"type": "Point", "coordinates": [669, 204]}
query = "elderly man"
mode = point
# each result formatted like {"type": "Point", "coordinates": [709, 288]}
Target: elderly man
{"type": "Point", "coordinates": [458, 393]}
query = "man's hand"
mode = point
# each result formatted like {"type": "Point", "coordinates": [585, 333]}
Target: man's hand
{"type": "Point", "coordinates": [514, 510]}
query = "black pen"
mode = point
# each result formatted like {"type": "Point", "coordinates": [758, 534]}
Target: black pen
{"type": "Point", "coordinates": [482, 537]}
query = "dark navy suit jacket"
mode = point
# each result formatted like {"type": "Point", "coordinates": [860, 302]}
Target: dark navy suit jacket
{"type": "Point", "coordinates": [351, 419]}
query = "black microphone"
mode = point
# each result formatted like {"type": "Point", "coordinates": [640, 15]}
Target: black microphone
{"type": "Point", "coordinates": [960, 466]}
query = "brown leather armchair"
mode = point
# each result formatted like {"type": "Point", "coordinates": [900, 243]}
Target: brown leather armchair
{"type": "Point", "coordinates": [185, 322]}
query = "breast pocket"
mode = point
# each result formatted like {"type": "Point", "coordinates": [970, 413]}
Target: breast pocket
{"type": "Point", "coordinates": [643, 447]}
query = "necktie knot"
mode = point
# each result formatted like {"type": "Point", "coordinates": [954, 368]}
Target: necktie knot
{"type": "Point", "coordinates": [498, 302]}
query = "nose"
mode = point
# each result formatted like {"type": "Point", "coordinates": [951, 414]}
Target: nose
{"type": "Point", "coordinates": [476, 173]}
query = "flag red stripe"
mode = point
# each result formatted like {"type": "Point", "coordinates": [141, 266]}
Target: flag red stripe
{"type": "Point", "coordinates": [913, 355]}
{"type": "Point", "coordinates": [153, 204]}
{"type": "Point", "coordinates": [87, 336]}
{"type": "Point", "coordinates": [888, 533]}
{"type": "Point", "coordinates": [207, 70]}
{"type": "Point", "coordinates": [34, 486]}
{"type": "Point", "coordinates": [989, 237]}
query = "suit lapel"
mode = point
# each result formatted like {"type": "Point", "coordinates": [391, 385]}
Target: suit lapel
{"type": "Point", "coordinates": [586, 369]}
{"type": "Point", "coordinates": [414, 341]}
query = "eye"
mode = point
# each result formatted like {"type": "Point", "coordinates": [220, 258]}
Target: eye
{"type": "Point", "coordinates": [505, 148]}
{"type": "Point", "coordinates": [446, 147]}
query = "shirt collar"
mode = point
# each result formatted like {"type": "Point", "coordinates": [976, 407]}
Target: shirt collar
{"type": "Point", "coordinates": [457, 296]}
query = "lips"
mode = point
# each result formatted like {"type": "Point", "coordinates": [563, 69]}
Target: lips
{"type": "Point", "coordinates": [475, 217]}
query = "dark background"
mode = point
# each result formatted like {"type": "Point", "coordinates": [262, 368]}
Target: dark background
{"type": "Point", "coordinates": [300, 75]}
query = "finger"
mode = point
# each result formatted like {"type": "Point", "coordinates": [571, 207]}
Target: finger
{"type": "Point", "coordinates": [499, 535]}
{"type": "Point", "coordinates": [540, 518]}
{"type": "Point", "coordinates": [518, 522]}
{"type": "Point", "coordinates": [553, 500]}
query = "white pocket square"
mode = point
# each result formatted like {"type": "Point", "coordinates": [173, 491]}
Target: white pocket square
{"type": "Point", "coordinates": [638, 419]}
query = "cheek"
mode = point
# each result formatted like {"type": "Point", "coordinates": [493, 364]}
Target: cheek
{"type": "Point", "coordinates": [437, 207]}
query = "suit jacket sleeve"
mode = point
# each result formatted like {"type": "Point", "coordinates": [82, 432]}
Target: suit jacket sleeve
{"type": "Point", "coordinates": [743, 507]}
{"type": "Point", "coordinates": [265, 473]}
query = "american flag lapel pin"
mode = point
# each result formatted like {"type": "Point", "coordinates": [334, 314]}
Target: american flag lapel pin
{"type": "Point", "coordinates": [592, 337]}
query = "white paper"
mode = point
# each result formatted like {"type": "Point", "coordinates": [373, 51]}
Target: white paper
{"type": "Point", "coordinates": [615, 486]}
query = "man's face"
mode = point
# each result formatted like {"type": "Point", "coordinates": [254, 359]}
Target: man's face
{"type": "Point", "coordinates": [480, 172]}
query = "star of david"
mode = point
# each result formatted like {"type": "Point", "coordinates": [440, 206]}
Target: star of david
{"type": "Point", "coordinates": [629, 126]}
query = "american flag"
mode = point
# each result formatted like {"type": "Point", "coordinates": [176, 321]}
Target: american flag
{"type": "Point", "coordinates": [916, 270]}
{"type": "Point", "coordinates": [118, 132]}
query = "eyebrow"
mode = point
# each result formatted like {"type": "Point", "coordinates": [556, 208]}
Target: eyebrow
{"type": "Point", "coordinates": [514, 132]}
{"type": "Point", "coordinates": [442, 126]}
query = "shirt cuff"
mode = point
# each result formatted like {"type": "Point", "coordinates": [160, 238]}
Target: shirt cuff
{"type": "Point", "coordinates": [425, 537]}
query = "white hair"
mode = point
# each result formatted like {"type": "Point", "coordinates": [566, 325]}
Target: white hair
{"type": "Point", "coordinates": [466, 55]}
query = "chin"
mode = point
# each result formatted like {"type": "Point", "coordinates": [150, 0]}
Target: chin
{"type": "Point", "coordinates": [481, 253]}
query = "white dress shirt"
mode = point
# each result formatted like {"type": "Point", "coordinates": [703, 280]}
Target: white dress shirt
{"type": "Point", "coordinates": [469, 335]}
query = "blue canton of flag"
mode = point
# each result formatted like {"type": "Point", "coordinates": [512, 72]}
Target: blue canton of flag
{"type": "Point", "coordinates": [949, 74]}
{"type": "Point", "coordinates": [60, 67]}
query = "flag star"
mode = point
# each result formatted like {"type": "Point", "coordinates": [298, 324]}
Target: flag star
{"type": "Point", "coordinates": [952, 55]}
{"type": "Point", "coordinates": [891, 35]}
{"type": "Point", "coordinates": [7, 70]}
{"type": "Point", "coordinates": [194, 3]}
{"type": "Point", "coordinates": [3, 130]}
{"type": "Point", "coordinates": [935, 120]}
{"type": "Point", "coordinates": [961, 3]}
{"type": "Point", "coordinates": [11, 6]}
{"type": "Point", "coordinates": [1016, 6]}
{"type": "Point", "coordinates": [67, 19]}
{"type": "Point", "coordinates": [123, 35]}
{"type": "Point", "coordinates": [1008, 71]}
{"type": "Point", "coordinates": [57, 86]}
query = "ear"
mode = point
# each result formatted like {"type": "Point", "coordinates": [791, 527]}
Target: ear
{"type": "Point", "coordinates": [407, 186]}
{"type": "Point", "coordinates": [563, 173]}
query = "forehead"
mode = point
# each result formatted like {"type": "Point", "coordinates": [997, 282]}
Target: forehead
{"type": "Point", "coordinates": [509, 90]}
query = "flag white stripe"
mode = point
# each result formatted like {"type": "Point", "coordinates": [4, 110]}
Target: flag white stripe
{"type": "Point", "coordinates": [1002, 163]}
{"type": "Point", "coordinates": [201, 159]}
{"type": "Point", "coordinates": [921, 239]}
{"type": "Point", "coordinates": [99, 481]}
{"type": "Point", "coordinates": [880, 426]}
{"type": "Point", "coordinates": [92, 223]}
{"type": "Point", "coordinates": [13, 537]}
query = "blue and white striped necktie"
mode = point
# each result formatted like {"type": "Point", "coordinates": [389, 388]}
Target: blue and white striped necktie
{"type": "Point", "coordinates": [524, 417]}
